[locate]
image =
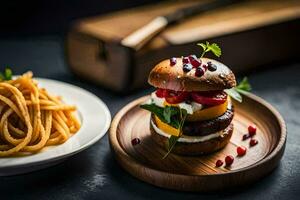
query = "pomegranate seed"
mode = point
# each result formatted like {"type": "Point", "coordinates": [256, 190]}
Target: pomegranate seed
{"type": "Point", "coordinates": [252, 130]}
{"type": "Point", "coordinates": [253, 142]}
{"type": "Point", "coordinates": [187, 67]}
{"type": "Point", "coordinates": [192, 57]}
{"type": "Point", "coordinates": [219, 163]}
{"type": "Point", "coordinates": [205, 67]}
{"type": "Point", "coordinates": [185, 60]}
{"type": "Point", "coordinates": [199, 72]}
{"type": "Point", "coordinates": [195, 63]}
{"type": "Point", "coordinates": [135, 141]}
{"type": "Point", "coordinates": [211, 67]}
{"type": "Point", "coordinates": [241, 150]}
{"type": "Point", "coordinates": [246, 136]}
{"type": "Point", "coordinates": [229, 160]}
{"type": "Point", "coordinates": [173, 61]}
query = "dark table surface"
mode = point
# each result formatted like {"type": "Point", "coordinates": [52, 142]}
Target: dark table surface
{"type": "Point", "coordinates": [94, 174]}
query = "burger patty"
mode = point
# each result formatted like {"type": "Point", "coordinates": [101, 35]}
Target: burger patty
{"type": "Point", "coordinates": [202, 128]}
{"type": "Point", "coordinates": [195, 148]}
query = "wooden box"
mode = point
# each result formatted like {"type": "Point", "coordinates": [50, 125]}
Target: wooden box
{"type": "Point", "coordinates": [251, 34]}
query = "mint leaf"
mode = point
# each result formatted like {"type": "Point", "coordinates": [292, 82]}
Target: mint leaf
{"type": "Point", "coordinates": [214, 48]}
{"type": "Point", "coordinates": [203, 46]}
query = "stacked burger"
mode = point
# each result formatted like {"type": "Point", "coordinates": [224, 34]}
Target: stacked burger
{"type": "Point", "coordinates": [191, 114]}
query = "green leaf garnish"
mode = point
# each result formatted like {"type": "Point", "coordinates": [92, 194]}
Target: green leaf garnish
{"type": "Point", "coordinates": [173, 139]}
{"type": "Point", "coordinates": [171, 144]}
{"type": "Point", "coordinates": [242, 88]}
{"type": "Point", "coordinates": [169, 111]}
{"type": "Point", "coordinates": [232, 92]}
{"type": "Point", "coordinates": [170, 115]}
{"type": "Point", "coordinates": [214, 48]}
{"type": "Point", "coordinates": [7, 75]}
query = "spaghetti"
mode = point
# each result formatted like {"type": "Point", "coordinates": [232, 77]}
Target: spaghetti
{"type": "Point", "coordinates": [31, 118]}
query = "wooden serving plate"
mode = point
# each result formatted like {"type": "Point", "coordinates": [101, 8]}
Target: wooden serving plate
{"type": "Point", "coordinates": [144, 161]}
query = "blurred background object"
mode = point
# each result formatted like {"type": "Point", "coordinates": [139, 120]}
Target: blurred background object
{"type": "Point", "coordinates": [109, 51]}
{"type": "Point", "coordinates": [41, 17]}
{"type": "Point", "coordinates": [252, 34]}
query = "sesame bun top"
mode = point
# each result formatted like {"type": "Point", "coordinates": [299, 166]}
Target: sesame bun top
{"type": "Point", "coordinates": [165, 76]}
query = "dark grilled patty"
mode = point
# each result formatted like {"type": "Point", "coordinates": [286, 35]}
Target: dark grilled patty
{"type": "Point", "coordinates": [202, 128]}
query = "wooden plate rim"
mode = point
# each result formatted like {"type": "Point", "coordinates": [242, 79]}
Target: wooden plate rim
{"type": "Point", "coordinates": [119, 151]}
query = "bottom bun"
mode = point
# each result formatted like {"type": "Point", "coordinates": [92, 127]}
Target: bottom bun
{"type": "Point", "coordinates": [195, 148]}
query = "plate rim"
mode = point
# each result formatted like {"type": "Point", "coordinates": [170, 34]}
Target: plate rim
{"type": "Point", "coordinates": [121, 154]}
{"type": "Point", "coordinates": [61, 156]}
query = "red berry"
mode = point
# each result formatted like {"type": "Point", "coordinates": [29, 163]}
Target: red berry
{"type": "Point", "coordinates": [135, 141]}
{"type": "Point", "coordinates": [246, 136]}
{"type": "Point", "coordinates": [199, 72]}
{"type": "Point", "coordinates": [252, 130]}
{"type": "Point", "coordinates": [185, 60]}
{"type": "Point", "coordinates": [241, 150]}
{"type": "Point", "coordinates": [229, 160]}
{"type": "Point", "coordinates": [195, 63]}
{"type": "Point", "coordinates": [205, 67]}
{"type": "Point", "coordinates": [219, 163]}
{"type": "Point", "coordinates": [173, 61]}
{"type": "Point", "coordinates": [253, 142]}
{"type": "Point", "coordinates": [192, 57]}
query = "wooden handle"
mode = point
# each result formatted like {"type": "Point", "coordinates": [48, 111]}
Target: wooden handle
{"type": "Point", "coordinates": [140, 37]}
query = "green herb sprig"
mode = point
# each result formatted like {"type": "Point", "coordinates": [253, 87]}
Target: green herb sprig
{"type": "Point", "coordinates": [6, 75]}
{"type": "Point", "coordinates": [173, 139]}
{"type": "Point", "coordinates": [242, 88]}
{"type": "Point", "coordinates": [214, 48]}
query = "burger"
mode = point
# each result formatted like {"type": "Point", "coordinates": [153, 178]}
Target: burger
{"type": "Point", "coordinates": [191, 109]}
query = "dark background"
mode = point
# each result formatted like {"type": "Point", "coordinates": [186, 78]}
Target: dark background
{"type": "Point", "coordinates": [32, 38]}
{"type": "Point", "coordinates": [39, 17]}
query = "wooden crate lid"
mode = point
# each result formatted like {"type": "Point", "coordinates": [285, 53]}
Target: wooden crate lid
{"type": "Point", "coordinates": [240, 17]}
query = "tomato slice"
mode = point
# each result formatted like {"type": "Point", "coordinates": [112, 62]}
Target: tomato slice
{"type": "Point", "coordinates": [210, 98]}
{"type": "Point", "coordinates": [174, 97]}
{"type": "Point", "coordinates": [161, 93]}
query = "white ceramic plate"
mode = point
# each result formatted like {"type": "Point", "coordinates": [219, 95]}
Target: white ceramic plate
{"type": "Point", "coordinates": [95, 120]}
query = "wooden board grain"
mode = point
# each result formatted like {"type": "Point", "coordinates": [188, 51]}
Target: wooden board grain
{"type": "Point", "coordinates": [145, 162]}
